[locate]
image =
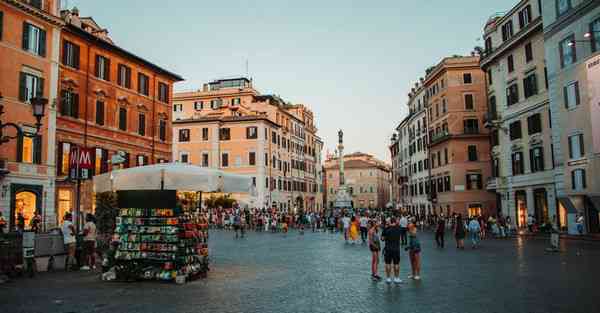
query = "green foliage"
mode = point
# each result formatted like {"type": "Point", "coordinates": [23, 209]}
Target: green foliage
{"type": "Point", "coordinates": [106, 212]}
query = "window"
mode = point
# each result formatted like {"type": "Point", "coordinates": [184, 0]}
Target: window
{"type": "Point", "coordinates": [472, 152]}
{"type": "Point", "coordinates": [162, 130]}
{"type": "Point", "coordinates": [528, 52]}
{"type": "Point", "coordinates": [252, 158]}
{"type": "Point", "coordinates": [29, 149]}
{"type": "Point", "coordinates": [34, 39]}
{"type": "Point", "coordinates": [198, 105]}
{"type": "Point", "coordinates": [536, 159]}
{"type": "Point", "coordinates": [489, 77]}
{"type": "Point", "coordinates": [507, 31]}
{"type": "Point", "coordinates": [235, 101]}
{"type": "Point", "coordinates": [30, 86]}
{"type": "Point", "coordinates": [183, 158]}
{"type": "Point", "coordinates": [124, 76]}
{"type": "Point", "coordinates": [102, 67]}
{"type": "Point", "coordinates": [492, 108]}
{"type": "Point", "coordinates": [444, 108]}
{"type": "Point", "coordinates": [224, 134]}
{"type": "Point", "coordinates": [215, 103]}
{"type": "Point", "coordinates": [467, 79]}
{"type": "Point", "coordinates": [594, 30]}
{"type": "Point", "coordinates": [99, 112]}
{"type": "Point", "coordinates": [178, 107]}
{"type": "Point", "coordinates": [474, 181]}
{"type": "Point", "coordinates": [143, 84]}
{"type": "Point", "coordinates": [530, 85]}
{"type": "Point", "coordinates": [512, 94]}
{"type": "Point", "coordinates": [546, 77]}
{"type": "Point", "coordinates": [534, 124]}
{"type": "Point", "coordinates": [576, 146]}
{"type": "Point", "coordinates": [515, 130]}
{"type": "Point", "coordinates": [141, 160]}
{"type": "Point", "coordinates": [447, 186]}
{"type": "Point", "coordinates": [225, 159]}
{"type": "Point", "coordinates": [495, 167]}
{"type": "Point", "coordinates": [525, 16]}
{"type": "Point", "coordinates": [517, 163]}
{"type": "Point", "coordinates": [568, 54]}
{"type": "Point", "coordinates": [251, 132]}
{"type": "Point", "coordinates": [205, 134]}
{"type": "Point", "coordinates": [70, 54]}
{"type": "Point", "coordinates": [69, 104]}
{"type": "Point", "coordinates": [163, 92]}
{"type": "Point", "coordinates": [205, 159]}
{"type": "Point", "coordinates": [123, 119]}
{"type": "Point", "coordinates": [469, 102]}
{"type": "Point", "coordinates": [495, 140]}
{"type": "Point", "coordinates": [488, 45]}
{"type": "Point", "coordinates": [510, 63]}
{"type": "Point", "coordinates": [578, 179]}
{"type": "Point", "coordinates": [562, 6]}
{"type": "Point", "coordinates": [1, 23]}
{"type": "Point", "coordinates": [142, 124]}
{"type": "Point", "coordinates": [100, 161]}
{"type": "Point", "coordinates": [571, 95]}
{"type": "Point", "coordinates": [274, 137]}
{"type": "Point", "coordinates": [184, 135]}
{"type": "Point", "coordinates": [64, 152]}
{"type": "Point", "coordinates": [471, 126]}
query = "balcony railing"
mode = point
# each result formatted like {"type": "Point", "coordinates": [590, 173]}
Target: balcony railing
{"type": "Point", "coordinates": [471, 131]}
{"type": "Point", "coordinates": [435, 138]}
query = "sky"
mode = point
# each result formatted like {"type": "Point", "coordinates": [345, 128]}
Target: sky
{"type": "Point", "coordinates": [351, 62]}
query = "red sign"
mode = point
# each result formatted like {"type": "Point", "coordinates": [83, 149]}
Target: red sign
{"type": "Point", "coordinates": [81, 158]}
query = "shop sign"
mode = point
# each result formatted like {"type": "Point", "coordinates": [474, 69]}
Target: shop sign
{"type": "Point", "coordinates": [80, 163]}
{"type": "Point", "coordinates": [593, 84]}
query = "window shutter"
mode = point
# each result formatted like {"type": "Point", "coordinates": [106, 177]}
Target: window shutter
{"type": "Point", "coordinates": [65, 48]}
{"type": "Point", "coordinates": [581, 145]}
{"type": "Point", "coordinates": [20, 148]}
{"type": "Point", "coordinates": [26, 36]}
{"type": "Point", "coordinates": [40, 88]}
{"type": "Point", "coordinates": [75, 105]}
{"type": "Point", "coordinates": [541, 158]}
{"type": "Point", "coordinates": [583, 184]}
{"type": "Point", "coordinates": [1, 23]}
{"type": "Point", "coordinates": [107, 69]}
{"type": "Point", "coordinates": [468, 182]}
{"type": "Point", "coordinates": [566, 97]}
{"type": "Point", "coordinates": [521, 20]}
{"type": "Point", "coordinates": [127, 77]}
{"type": "Point", "coordinates": [577, 98]}
{"type": "Point", "coordinates": [42, 43]}
{"type": "Point", "coordinates": [120, 68]}
{"type": "Point", "coordinates": [532, 160]}
{"type": "Point", "coordinates": [570, 147]}
{"type": "Point", "coordinates": [22, 87]}
{"type": "Point", "coordinates": [479, 182]}
{"type": "Point", "coordinates": [97, 67]}
{"type": "Point", "coordinates": [76, 56]}
{"type": "Point", "coordinates": [573, 180]}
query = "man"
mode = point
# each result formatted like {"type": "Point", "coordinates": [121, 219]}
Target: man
{"type": "Point", "coordinates": [2, 223]}
{"type": "Point", "coordinates": [89, 242]}
{"type": "Point", "coordinates": [391, 251]}
{"type": "Point", "coordinates": [346, 224]}
{"type": "Point", "coordinates": [530, 222]}
{"type": "Point", "coordinates": [440, 231]}
{"type": "Point", "coordinates": [364, 223]}
{"type": "Point", "coordinates": [68, 231]}
{"type": "Point", "coordinates": [474, 229]}
{"type": "Point", "coordinates": [403, 229]}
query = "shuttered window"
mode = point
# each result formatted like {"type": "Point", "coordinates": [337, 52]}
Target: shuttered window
{"type": "Point", "coordinates": [143, 84]}
{"type": "Point", "coordinates": [34, 39]}
{"type": "Point", "coordinates": [123, 119]}
{"type": "Point", "coordinates": [162, 130]}
{"type": "Point", "coordinates": [70, 56]}
{"type": "Point", "coordinates": [1, 23]}
{"type": "Point", "coordinates": [102, 67]}
{"type": "Point", "coordinates": [69, 105]}
{"type": "Point", "coordinates": [534, 124]}
{"type": "Point", "coordinates": [30, 86]}
{"type": "Point", "coordinates": [124, 76]}
{"type": "Point", "coordinates": [142, 124]}
{"type": "Point", "coordinates": [100, 112]}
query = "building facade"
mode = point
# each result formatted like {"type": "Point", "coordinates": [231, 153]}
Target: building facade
{"type": "Point", "coordinates": [572, 43]}
{"type": "Point", "coordinates": [519, 116]}
{"type": "Point", "coordinates": [367, 178]}
{"type": "Point", "coordinates": [29, 50]}
{"type": "Point", "coordinates": [229, 125]}
{"type": "Point", "coordinates": [110, 101]}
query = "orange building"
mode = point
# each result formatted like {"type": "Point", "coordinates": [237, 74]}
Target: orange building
{"type": "Point", "coordinates": [459, 145]}
{"type": "Point", "coordinates": [29, 35]}
{"type": "Point", "coordinates": [111, 101]}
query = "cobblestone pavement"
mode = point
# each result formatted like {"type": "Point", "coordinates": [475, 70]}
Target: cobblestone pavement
{"type": "Point", "coordinates": [319, 273]}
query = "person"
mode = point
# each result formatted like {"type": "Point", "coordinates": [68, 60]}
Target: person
{"type": "Point", "coordinates": [579, 223]}
{"type": "Point", "coordinates": [440, 232]}
{"type": "Point", "coordinates": [346, 224]}
{"type": "Point", "coordinates": [89, 242]}
{"type": "Point", "coordinates": [474, 229]}
{"type": "Point", "coordinates": [68, 231]}
{"type": "Point", "coordinates": [530, 222]}
{"type": "Point", "coordinates": [20, 222]}
{"type": "Point", "coordinates": [242, 224]}
{"type": "Point", "coordinates": [391, 251]}
{"type": "Point", "coordinates": [35, 222]}
{"type": "Point", "coordinates": [459, 232]}
{"type": "Point", "coordinates": [354, 232]}
{"type": "Point", "coordinates": [364, 223]}
{"type": "Point", "coordinates": [2, 223]}
{"type": "Point", "coordinates": [403, 229]}
{"type": "Point", "coordinates": [237, 221]}
{"type": "Point", "coordinates": [414, 252]}
{"type": "Point", "coordinates": [554, 235]}
{"type": "Point", "coordinates": [375, 247]}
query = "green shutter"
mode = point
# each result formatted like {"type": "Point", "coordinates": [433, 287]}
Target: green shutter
{"type": "Point", "coordinates": [26, 36]}
{"type": "Point", "coordinates": [20, 148]}
{"type": "Point", "coordinates": [37, 149]}
{"type": "Point", "coordinates": [75, 56]}
{"type": "Point", "coordinates": [22, 87]}
{"type": "Point", "coordinates": [75, 105]}
{"type": "Point", "coordinates": [40, 88]}
{"type": "Point", "coordinates": [42, 43]}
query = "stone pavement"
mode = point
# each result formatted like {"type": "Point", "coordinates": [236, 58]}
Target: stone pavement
{"type": "Point", "coordinates": [319, 273]}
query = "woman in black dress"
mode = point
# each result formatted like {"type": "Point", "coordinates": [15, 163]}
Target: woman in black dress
{"type": "Point", "coordinates": [459, 232]}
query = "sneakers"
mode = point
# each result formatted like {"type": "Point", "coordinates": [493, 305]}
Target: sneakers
{"type": "Point", "coordinates": [376, 277]}
{"type": "Point", "coordinates": [417, 278]}
{"type": "Point", "coordinates": [85, 268]}
{"type": "Point", "coordinates": [397, 280]}
{"type": "Point", "coordinates": [388, 280]}
{"type": "Point", "coordinates": [409, 276]}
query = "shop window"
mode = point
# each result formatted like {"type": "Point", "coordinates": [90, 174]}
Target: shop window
{"type": "Point", "coordinates": [26, 206]}
{"type": "Point", "coordinates": [474, 209]}
{"type": "Point", "coordinates": [65, 204]}
{"type": "Point", "coordinates": [101, 161]}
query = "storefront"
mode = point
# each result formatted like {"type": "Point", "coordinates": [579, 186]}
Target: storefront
{"type": "Point", "coordinates": [25, 203]}
{"type": "Point", "coordinates": [521, 208]}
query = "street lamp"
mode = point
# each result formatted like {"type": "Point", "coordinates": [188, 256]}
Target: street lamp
{"type": "Point", "coordinates": [588, 38]}
{"type": "Point", "coordinates": [38, 104]}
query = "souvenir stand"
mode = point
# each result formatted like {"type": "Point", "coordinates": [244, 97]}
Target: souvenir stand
{"type": "Point", "coordinates": [155, 238]}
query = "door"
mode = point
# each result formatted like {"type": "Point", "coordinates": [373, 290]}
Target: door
{"type": "Point", "coordinates": [541, 206]}
{"type": "Point", "coordinates": [521, 207]}
{"type": "Point", "coordinates": [25, 203]}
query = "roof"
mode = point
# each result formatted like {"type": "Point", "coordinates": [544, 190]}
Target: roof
{"type": "Point", "coordinates": [225, 119]}
{"type": "Point", "coordinates": [108, 46]}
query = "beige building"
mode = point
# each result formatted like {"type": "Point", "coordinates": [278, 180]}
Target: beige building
{"type": "Point", "coordinates": [368, 179]}
{"type": "Point", "coordinates": [229, 125]}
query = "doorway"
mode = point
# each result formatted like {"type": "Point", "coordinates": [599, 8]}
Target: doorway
{"type": "Point", "coordinates": [521, 208]}
{"type": "Point", "coordinates": [541, 206]}
{"type": "Point", "coordinates": [25, 201]}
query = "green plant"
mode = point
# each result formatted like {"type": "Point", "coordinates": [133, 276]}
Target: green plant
{"type": "Point", "coordinates": [106, 212]}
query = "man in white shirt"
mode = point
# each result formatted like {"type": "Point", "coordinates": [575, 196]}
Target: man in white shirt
{"type": "Point", "coordinates": [403, 229]}
{"type": "Point", "coordinates": [346, 224]}
{"type": "Point", "coordinates": [364, 223]}
{"type": "Point", "coordinates": [68, 231]}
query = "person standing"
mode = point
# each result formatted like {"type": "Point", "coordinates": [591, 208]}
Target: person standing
{"type": "Point", "coordinates": [474, 229]}
{"type": "Point", "coordinates": [391, 251]}
{"type": "Point", "coordinates": [237, 222]}
{"type": "Point", "coordinates": [89, 242]}
{"type": "Point", "coordinates": [403, 229]}
{"type": "Point", "coordinates": [414, 252]}
{"type": "Point", "coordinates": [440, 232]}
{"type": "Point", "coordinates": [346, 225]}
{"type": "Point", "coordinates": [375, 247]}
{"type": "Point", "coordinates": [2, 223]}
{"type": "Point", "coordinates": [68, 231]}
{"type": "Point", "coordinates": [364, 223]}
{"type": "Point", "coordinates": [459, 232]}
{"type": "Point", "coordinates": [20, 223]}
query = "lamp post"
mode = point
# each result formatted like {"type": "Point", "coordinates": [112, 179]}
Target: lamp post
{"type": "Point", "coordinates": [588, 38]}
{"type": "Point", "coordinates": [38, 105]}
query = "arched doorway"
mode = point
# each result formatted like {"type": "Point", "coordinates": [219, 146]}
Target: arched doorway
{"type": "Point", "coordinates": [26, 200]}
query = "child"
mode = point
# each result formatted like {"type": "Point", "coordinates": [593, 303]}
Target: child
{"type": "Point", "coordinates": [414, 250]}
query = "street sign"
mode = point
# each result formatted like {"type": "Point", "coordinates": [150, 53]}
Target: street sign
{"type": "Point", "coordinates": [80, 163]}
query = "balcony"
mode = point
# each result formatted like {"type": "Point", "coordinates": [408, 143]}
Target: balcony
{"type": "Point", "coordinates": [439, 137]}
{"type": "Point", "coordinates": [471, 131]}
{"type": "Point", "coordinates": [490, 119]}
{"type": "Point", "coordinates": [492, 183]}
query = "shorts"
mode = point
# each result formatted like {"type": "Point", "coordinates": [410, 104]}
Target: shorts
{"type": "Point", "coordinates": [89, 247]}
{"type": "Point", "coordinates": [71, 247]}
{"type": "Point", "coordinates": [391, 256]}
{"type": "Point", "coordinates": [373, 248]}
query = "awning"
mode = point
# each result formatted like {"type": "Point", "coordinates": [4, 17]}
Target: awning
{"type": "Point", "coordinates": [568, 204]}
{"type": "Point", "coordinates": [596, 202]}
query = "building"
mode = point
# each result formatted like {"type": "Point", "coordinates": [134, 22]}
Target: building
{"type": "Point", "coordinates": [367, 178]}
{"type": "Point", "coordinates": [400, 165]}
{"type": "Point", "coordinates": [29, 40]}
{"type": "Point", "coordinates": [459, 146]}
{"type": "Point", "coordinates": [111, 101]}
{"type": "Point", "coordinates": [571, 40]}
{"type": "Point", "coordinates": [519, 115]}
{"type": "Point", "coordinates": [229, 125]}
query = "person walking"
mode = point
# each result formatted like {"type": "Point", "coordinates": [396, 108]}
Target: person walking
{"type": "Point", "coordinates": [459, 232]}
{"type": "Point", "coordinates": [391, 251]}
{"type": "Point", "coordinates": [89, 242]}
{"type": "Point", "coordinates": [414, 252]}
{"type": "Point", "coordinates": [440, 232]}
{"type": "Point", "coordinates": [403, 229]}
{"type": "Point", "coordinates": [346, 224]}
{"type": "Point", "coordinates": [474, 229]}
{"type": "Point", "coordinates": [375, 247]}
{"type": "Point", "coordinates": [364, 223]}
{"type": "Point", "coordinates": [68, 231]}
{"type": "Point", "coordinates": [237, 222]}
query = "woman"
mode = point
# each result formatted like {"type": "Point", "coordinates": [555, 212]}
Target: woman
{"type": "Point", "coordinates": [459, 232]}
{"type": "Point", "coordinates": [375, 247]}
{"type": "Point", "coordinates": [354, 230]}
{"type": "Point", "coordinates": [414, 252]}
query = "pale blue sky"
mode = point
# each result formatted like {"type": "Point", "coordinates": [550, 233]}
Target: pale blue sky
{"type": "Point", "coordinates": [351, 62]}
